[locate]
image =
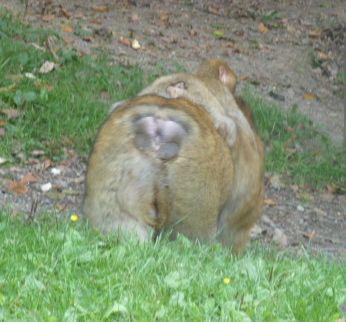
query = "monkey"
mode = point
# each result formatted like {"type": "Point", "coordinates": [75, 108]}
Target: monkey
{"type": "Point", "coordinates": [217, 71]}
{"type": "Point", "coordinates": [212, 86]}
{"type": "Point", "coordinates": [161, 165]}
{"type": "Point", "coordinates": [150, 168]}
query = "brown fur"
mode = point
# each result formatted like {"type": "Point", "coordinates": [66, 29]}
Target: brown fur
{"type": "Point", "coordinates": [211, 190]}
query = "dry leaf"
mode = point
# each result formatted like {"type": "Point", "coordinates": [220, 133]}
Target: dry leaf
{"type": "Point", "coordinates": [214, 10]}
{"type": "Point", "coordinates": [243, 77]}
{"type": "Point", "coordinates": [310, 96]}
{"type": "Point", "coordinates": [322, 56]}
{"type": "Point", "coordinates": [270, 202]}
{"type": "Point", "coordinates": [95, 21]}
{"type": "Point", "coordinates": [125, 41]}
{"type": "Point", "coordinates": [262, 28]}
{"type": "Point", "coordinates": [310, 235]}
{"type": "Point", "coordinates": [29, 178]}
{"type": "Point", "coordinates": [331, 189]}
{"type": "Point", "coordinates": [2, 131]}
{"type": "Point", "coordinates": [66, 28]}
{"type": "Point", "coordinates": [2, 122]}
{"type": "Point", "coordinates": [48, 18]}
{"type": "Point", "coordinates": [164, 19]}
{"type": "Point", "coordinates": [135, 17]}
{"type": "Point", "coordinates": [135, 44]}
{"type": "Point", "coordinates": [280, 238]}
{"type": "Point", "coordinates": [101, 9]}
{"type": "Point", "coordinates": [193, 33]}
{"type": "Point", "coordinates": [64, 12]}
{"type": "Point", "coordinates": [37, 153]}
{"type": "Point", "coordinates": [11, 113]}
{"type": "Point", "coordinates": [18, 187]}
{"type": "Point", "coordinates": [46, 164]}
{"type": "Point", "coordinates": [315, 33]}
{"type": "Point", "coordinates": [47, 67]}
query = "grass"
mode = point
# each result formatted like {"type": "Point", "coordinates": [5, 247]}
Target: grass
{"type": "Point", "coordinates": [64, 108]}
{"type": "Point", "coordinates": [52, 269]}
{"type": "Point", "coordinates": [296, 147]}
{"type": "Point", "coordinates": [56, 270]}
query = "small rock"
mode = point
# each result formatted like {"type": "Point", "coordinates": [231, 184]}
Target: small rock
{"type": "Point", "coordinates": [280, 238]}
{"type": "Point", "coordinates": [300, 208]}
{"type": "Point", "coordinates": [2, 160]}
{"type": "Point", "coordinates": [46, 187]}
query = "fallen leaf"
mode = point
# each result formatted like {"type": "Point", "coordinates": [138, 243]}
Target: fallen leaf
{"type": "Point", "coordinates": [48, 18]}
{"type": "Point", "coordinates": [275, 182]}
{"type": "Point", "coordinates": [315, 33]}
{"type": "Point", "coordinates": [11, 113]}
{"type": "Point", "coordinates": [46, 187]}
{"type": "Point", "coordinates": [37, 153]}
{"type": "Point", "coordinates": [46, 164]}
{"type": "Point", "coordinates": [2, 122]}
{"type": "Point", "coordinates": [135, 44]}
{"type": "Point", "coordinates": [331, 189]}
{"type": "Point", "coordinates": [214, 10]}
{"type": "Point", "coordinates": [295, 187]}
{"type": "Point", "coordinates": [47, 67]}
{"type": "Point", "coordinates": [270, 202]}
{"type": "Point", "coordinates": [29, 178]}
{"type": "Point", "coordinates": [280, 238]}
{"type": "Point", "coordinates": [135, 17]}
{"type": "Point", "coordinates": [262, 28]}
{"type": "Point", "coordinates": [66, 28]}
{"type": "Point", "coordinates": [101, 9]}
{"type": "Point", "coordinates": [18, 187]}
{"type": "Point", "coordinates": [322, 56]}
{"type": "Point", "coordinates": [164, 19]}
{"type": "Point", "coordinates": [310, 96]}
{"type": "Point", "coordinates": [125, 41]}
{"type": "Point", "coordinates": [218, 34]}
{"type": "Point", "coordinates": [310, 235]}
{"type": "Point", "coordinates": [64, 12]}
{"type": "Point", "coordinates": [193, 33]}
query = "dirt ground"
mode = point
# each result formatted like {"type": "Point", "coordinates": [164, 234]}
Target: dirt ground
{"type": "Point", "coordinates": [293, 58]}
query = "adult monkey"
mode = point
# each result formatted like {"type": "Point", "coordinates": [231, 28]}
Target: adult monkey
{"type": "Point", "coordinates": [161, 164]}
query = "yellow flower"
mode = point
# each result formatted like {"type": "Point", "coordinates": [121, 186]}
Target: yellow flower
{"type": "Point", "coordinates": [74, 217]}
{"type": "Point", "coordinates": [226, 280]}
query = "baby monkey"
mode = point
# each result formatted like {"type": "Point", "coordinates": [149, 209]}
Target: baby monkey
{"type": "Point", "coordinates": [211, 86]}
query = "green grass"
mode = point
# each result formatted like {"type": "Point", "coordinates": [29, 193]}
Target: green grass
{"type": "Point", "coordinates": [64, 108]}
{"type": "Point", "coordinates": [295, 147]}
{"type": "Point", "coordinates": [55, 270]}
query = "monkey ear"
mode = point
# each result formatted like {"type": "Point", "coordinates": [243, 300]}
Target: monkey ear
{"type": "Point", "coordinates": [176, 90]}
{"type": "Point", "coordinates": [227, 78]}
